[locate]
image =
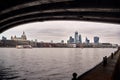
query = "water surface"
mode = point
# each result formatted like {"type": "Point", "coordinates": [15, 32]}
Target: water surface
{"type": "Point", "coordinates": [48, 63]}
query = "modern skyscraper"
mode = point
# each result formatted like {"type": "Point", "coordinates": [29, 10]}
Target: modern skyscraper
{"type": "Point", "coordinates": [76, 37]}
{"type": "Point", "coordinates": [71, 40]}
{"type": "Point", "coordinates": [62, 41]}
{"type": "Point", "coordinates": [80, 39]}
{"type": "Point", "coordinates": [96, 39]}
{"type": "Point", "coordinates": [4, 38]}
{"type": "Point", "coordinates": [87, 40]}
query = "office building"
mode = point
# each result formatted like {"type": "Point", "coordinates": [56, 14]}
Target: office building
{"type": "Point", "coordinates": [76, 37]}
{"type": "Point", "coordinates": [4, 38]}
{"type": "Point", "coordinates": [96, 39]}
{"type": "Point", "coordinates": [87, 40]}
{"type": "Point", "coordinates": [80, 39]}
{"type": "Point", "coordinates": [71, 40]}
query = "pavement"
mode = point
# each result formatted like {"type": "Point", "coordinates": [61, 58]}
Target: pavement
{"type": "Point", "coordinates": [101, 72]}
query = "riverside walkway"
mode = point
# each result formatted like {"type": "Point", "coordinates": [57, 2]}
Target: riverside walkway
{"type": "Point", "coordinates": [101, 72]}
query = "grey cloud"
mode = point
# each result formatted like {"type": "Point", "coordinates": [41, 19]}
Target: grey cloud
{"type": "Point", "coordinates": [51, 32]}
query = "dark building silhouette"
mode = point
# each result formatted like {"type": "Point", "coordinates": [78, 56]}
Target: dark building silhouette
{"type": "Point", "coordinates": [87, 40]}
{"type": "Point", "coordinates": [76, 37]}
{"type": "Point", "coordinates": [4, 38]}
{"type": "Point", "coordinates": [96, 39]}
{"type": "Point", "coordinates": [71, 40]}
{"type": "Point", "coordinates": [80, 39]}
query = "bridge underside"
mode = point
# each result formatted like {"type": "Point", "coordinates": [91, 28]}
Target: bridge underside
{"type": "Point", "coordinates": [16, 12]}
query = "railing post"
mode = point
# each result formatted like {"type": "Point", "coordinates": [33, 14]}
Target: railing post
{"type": "Point", "coordinates": [104, 61]}
{"type": "Point", "coordinates": [74, 76]}
{"type": "Point", "coordinates": [112, 55]}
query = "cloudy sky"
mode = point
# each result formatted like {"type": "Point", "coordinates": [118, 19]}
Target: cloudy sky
{"type": "Point", "coordinates": [61, 30]}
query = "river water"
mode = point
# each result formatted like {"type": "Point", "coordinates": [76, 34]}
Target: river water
{"type": "Point", "coordinates": [48, 63]}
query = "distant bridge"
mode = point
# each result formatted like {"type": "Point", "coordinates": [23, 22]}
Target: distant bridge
{"type": "Point", "coordinates": [16, 12]}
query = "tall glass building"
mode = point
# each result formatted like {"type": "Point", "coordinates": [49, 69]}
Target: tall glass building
{"type": "Point", "coordinates": [71, 40]}
{"type": "Point", "coordinates": [76, 37]}
{"type": "Point", "coordinates": [87, 40]}
{"type": "Point", "coordinates": [80, 39]}
{"type": "Point", "coordinates": [96, 39]}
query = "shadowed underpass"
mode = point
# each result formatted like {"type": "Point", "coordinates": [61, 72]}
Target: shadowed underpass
{"type": "Point", "coordinates": [13, 13]}
{"type": "Point", "coordinates": [16, 12]}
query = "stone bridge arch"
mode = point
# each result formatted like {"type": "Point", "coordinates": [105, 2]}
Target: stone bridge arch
{"type": "Point", "coordinates": [16, 12]}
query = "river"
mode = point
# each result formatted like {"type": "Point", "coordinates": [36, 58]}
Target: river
{"type": "Point", "coordinates": [48, 63]}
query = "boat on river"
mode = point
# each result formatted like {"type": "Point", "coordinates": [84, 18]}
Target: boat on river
{"type": "Point", "coordinates": [23, 46]}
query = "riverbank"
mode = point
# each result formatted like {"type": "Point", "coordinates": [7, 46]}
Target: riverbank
{"type": "Point", "coordinates": [116, 73]}
{"type": "Point", "coordinates": [101, 72]}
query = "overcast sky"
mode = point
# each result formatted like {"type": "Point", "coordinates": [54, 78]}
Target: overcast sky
{"type": "Point", "coordinates": [61, 30]}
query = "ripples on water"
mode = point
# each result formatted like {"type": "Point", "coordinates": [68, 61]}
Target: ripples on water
{"type": "Point", "coordinates": [48, 63]}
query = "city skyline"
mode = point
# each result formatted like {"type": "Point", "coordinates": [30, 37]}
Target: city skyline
{"type": "Point", "coordinates": [76, 39]}
{"type": "Point", "coordinates": [61, 30]}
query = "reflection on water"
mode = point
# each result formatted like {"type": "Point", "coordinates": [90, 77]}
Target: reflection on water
{"type": "Point", "coordinates": [48, 63]}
